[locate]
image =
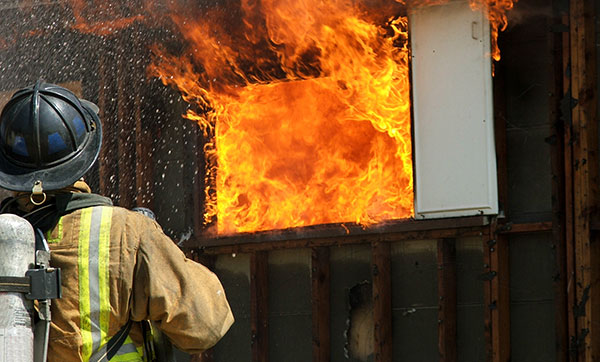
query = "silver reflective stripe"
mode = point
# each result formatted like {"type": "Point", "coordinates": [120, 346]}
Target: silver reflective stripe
{"type": "Point", "coordinates": [94, 278]}
{"type": "Point", "coordinates": [127, 348]}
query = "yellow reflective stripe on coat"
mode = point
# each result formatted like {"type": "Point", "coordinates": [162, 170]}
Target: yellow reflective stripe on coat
{"type": "Point", "coordinates": [53, 237]}
{"type": "Point", "coordinates": [93, 264]}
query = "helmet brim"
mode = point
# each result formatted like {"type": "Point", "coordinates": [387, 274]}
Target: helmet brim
{"type": "Point", "coordinates": [17, 178]}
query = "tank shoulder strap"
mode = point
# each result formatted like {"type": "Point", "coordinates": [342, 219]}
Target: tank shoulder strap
{"type": "Point", "coordinates": [107, 352]}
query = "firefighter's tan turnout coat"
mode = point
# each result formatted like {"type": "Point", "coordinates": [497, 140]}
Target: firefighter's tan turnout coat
{"type": "Point", "coordinates": [118, 265]}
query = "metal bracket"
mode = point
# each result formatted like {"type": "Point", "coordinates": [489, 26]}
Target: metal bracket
{"type": "Point", "coordinates": [45, 284]}
{"type": "Point", "coordinates": [504, 227]}
{"type": "Point", "coordinates": [488, 276]}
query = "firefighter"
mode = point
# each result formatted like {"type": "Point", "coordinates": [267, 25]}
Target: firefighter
{"type": "Point", "coordinates": [118, 267]}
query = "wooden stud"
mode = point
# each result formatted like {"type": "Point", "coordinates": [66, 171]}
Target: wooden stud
{"type": "Point", "coordinates": [321, 284]}
{"type": "Point", "coordinates": [107, 160]}
{"type": "Point", "coordinates": [382, 301]}
{"type": "Point", "coordinates": [126, 142]}
{"type": "Point", "coordinates": [144, 164]}
{"type": "Point", "coordinates": [555, 72]}
{"type": "Point", "coordinates": [143, 180]}
{"type": "Point", "coordinates": [585, 177]}
{"type": "Point", "coordinates": [488, 302]}
{"type": "Point", "coordinates": [259, 310]}
{"type": "Point", "coordinates": [568, 185]}
{"type": "Point", "coordinates": [497, 245]}
{"type": "Point", "coordinates": [500, 290]}
{"type": "Point", "coordinates": [198, 192]}
{"type": "Point", "coordinates": [496, 296]}
{"type": "Point", "coordinates": [446, 259]}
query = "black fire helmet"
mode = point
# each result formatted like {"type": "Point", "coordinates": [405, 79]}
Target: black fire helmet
{"type": "Point", "coordinates": [48, 138]}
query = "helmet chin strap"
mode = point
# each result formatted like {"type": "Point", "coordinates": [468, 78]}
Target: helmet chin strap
{"type": "Point", "coordinates": [37, 190]}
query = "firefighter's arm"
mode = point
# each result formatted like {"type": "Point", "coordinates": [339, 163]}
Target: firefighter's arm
{"type": "Point", "coordinates": [184, 299]}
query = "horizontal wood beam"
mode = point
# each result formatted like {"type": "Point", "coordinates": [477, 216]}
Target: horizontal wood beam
{"type": "Point", "coordinates": [338, 231]}
{"type": "Point", "coordinates": [338, 241]}
{"type": "Point", "coordinates": [311, 242]}
{"type": "Point", "coordinates": [535, 227]}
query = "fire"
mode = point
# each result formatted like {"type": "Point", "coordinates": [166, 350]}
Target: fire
{"type": "Point", "coordinates": [497, 10]}
{"type": "Point", "coordinates": [306, 105]}
{"type": "Point", "coordinates": [310, 112]}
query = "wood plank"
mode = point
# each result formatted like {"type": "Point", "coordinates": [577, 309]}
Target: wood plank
{"type": "Point", "coordinates": [259, 310]}
{"type": "Point", "coordinates": [382, 301]}
{"type": "Point", "coordinates": [340, 231]}
{"type": "Point", "coordinates": [204, 179]}
{"type": "Point", "coordinates": [557, 153]}
{"type": "Point", "coordinates": [569, 232]}
{"type": "Point", "coordinates": [198, 190]}
{"type": "Point", "coordinates": [141, 133]}
{"type": "Point", "coordinates": [525, 228]}
{"type": "Point", "coordinates": [321, 284]}
{"type": "Point", "coordinates": [488, 302]}
{"type": "Point", "coordinates": [332, 241]}
{"type": "Point", "coordinates": [144, 161]}
{"type": "Point", "coordinates": [446, 259]}
{"type": "Point", "coordinates": [496, 296]}
{"type": "Point", "coordinates": [585, 179]}
{"type": "Point", "coordinates": [500, 293]}
{"type": "Point", "coordinates": [240, 247]}
{"type": "Point", "coordinates": [107, 160]}
{"type": "Point", "coordinates": [126, 125]}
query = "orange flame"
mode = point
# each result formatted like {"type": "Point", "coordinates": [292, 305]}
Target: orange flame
{"type": "Point", "coordinates": [306, 105]}
{"type": "Point", "coordinates": [309, 105]}
{"type": "Point", "coordinates": [496, 10]}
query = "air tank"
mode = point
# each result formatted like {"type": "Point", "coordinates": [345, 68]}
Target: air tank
{"type": "Point", "coordinates": [17, 255]}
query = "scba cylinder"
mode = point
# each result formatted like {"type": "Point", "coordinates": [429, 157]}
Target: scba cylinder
{"type": "Point", "coordinates": [17, 255]}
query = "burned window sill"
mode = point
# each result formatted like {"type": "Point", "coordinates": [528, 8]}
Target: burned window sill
{"type": "Point", "coordinates": [341, 233]}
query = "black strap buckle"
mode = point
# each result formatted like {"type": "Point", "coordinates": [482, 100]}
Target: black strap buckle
{"type": "Point", "coordinates": [45, 284]}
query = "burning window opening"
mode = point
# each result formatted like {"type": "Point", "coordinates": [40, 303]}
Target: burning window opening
{"type": "Point", "coordinates": [306, 106]}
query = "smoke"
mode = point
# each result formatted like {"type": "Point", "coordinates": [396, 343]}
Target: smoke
{"type": "Point", "coordinates": [524, 13]}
